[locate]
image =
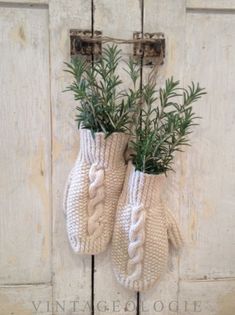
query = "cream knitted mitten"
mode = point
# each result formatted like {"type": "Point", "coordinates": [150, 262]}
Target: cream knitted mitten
{"type": "Point", "coordinates": [92, 191]}
{"type": "Point", "coordinates": [141, 232]}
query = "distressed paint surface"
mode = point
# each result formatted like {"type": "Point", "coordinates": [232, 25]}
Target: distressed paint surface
{"type": "Point", "coordinates": [210, 4]}
{"type": "Point", "coordinates": [115, 15]}
{"type": "Point", "coordinates": [23, 2]}
{"type": "Point", "coordinates": [208, 181]}
{"type": "Point", "coordinates": [166, 14]}
{"type": "Point", "coordinates": [199, 46]}
{"type": "Point", "coordinates": [25, 234]}
{"type": "Point", "coordinates": [71, 272]}
{"type": "Point", "coordinates": [207, 297]}
{"type": "Point", "coordinates": [26, 300]}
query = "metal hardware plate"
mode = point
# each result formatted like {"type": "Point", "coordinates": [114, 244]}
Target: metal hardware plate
{"type": "Point", "coordinates": [80, 44]}
{"type": "Point", "coordinates": [151, 51]}
{"type": "Point", "coordinates": [88, 44]}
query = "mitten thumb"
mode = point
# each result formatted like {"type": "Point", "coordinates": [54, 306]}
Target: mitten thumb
{"type": "Point", "coordinates": [173, 231]}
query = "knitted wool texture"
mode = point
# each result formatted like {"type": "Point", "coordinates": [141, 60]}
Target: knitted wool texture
{"type": "Point", "coordinates": [141, 232]}
{"type": "Point", "coordinates": [92, 191]}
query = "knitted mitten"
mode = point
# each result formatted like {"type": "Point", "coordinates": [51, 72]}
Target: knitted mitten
{"type": "Point", "coordinates": [141, 231]}
{"type": "Point", "coordinates": [92, 190]}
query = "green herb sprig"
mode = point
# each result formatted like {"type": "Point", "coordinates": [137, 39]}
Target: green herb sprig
{"type": "Point", "coordinates": [104, 105]}
{"type": "Point", "coordinates": [163, 129]}
{"type": "Point", "coordinates": [160, 127]}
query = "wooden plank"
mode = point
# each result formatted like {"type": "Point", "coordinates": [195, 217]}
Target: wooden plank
{"type": "Point", "coordinates": [72, 273]}
{"type": "Point", "coordinates": [24, 3]}
{"type": "Point", "coordinates": [210, 5]}
{"type": "Point", "coordinates": [159, 16]}
{"type": "Point", "coordinates": [156, 299]}
{"type": "Point", "coordinates": [207, 297]}
{"type": "Point", "coordinates": [115, 19]}
{"type": "Point", "coordinates": [26, 300]}
{"type": "Point", "coordinates": [25, 234]}
{"type": "Point", "coordinates": [208, 178]}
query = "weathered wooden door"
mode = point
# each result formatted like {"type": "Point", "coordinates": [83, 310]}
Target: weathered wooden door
{"type": "Point", "coordinates": [39, 274]}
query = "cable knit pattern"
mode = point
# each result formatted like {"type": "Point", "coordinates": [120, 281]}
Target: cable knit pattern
{"type": "Point", "coordinates": [93, 189]}
{"type": "Point", "coordinates": [96, 199]}
{"type": "Point", "coordinates": [141, 231]}
{"type": "Point", "coordinates": [136, 239]}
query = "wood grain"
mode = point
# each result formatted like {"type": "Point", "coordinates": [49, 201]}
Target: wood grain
{"type": "Point", "coordinates": [210, 4]}
{"type": "Point", "coordinates": [116, 19]}
{"type": "Point", "coordinates": [72, 273]}
{"type": "Point", "coordinates": [25, 220]}
{"type": "Point", "coordinates": [26, 300]}
{"type": "Point", "coordinates": [38, 130]}
{"type": "Point", "coordinates": [24, 3]}
{"type": "Point", "coordinates": [207, 297]}
{"type": "Point", "coordinates": [208, 181]}
{"type": "Point", "coordinates": [166, 14]}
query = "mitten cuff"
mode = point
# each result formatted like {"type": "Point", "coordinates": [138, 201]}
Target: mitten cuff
{"type": "Point", "coordinates": [143, 187]}
{"type": "Point", "coordinates": [102, 150]}
{"type": "Point", "coordinates": [88, 246]}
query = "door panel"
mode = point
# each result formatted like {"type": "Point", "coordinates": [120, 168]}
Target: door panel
{"type": "Point", "coordinates": [25, 165]}
{"type": "Point", "coordinates": [116, 15]}
{"type": "Point", "coordinates": [208, 196]}
{"type": "Point", "coordinates": [39, 144]}
{"type": "Point", "coordinates": [206, 297]}
{"type": "Point", "coordinates": [26, 300]}
{"type": "Point", "coordinates": [166, 17]}
{"type": "Point", "coordinates": [71, 272]}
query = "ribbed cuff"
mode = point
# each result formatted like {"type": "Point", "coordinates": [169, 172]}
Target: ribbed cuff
{"type": "Point", "coordinates": [105, 151]}
{"type": "Point", "coordinates": [135, 285]}
{"type": "Point", "coordinates": [88, 246]}
{"type": "Point", "coordinates": [142, 186]}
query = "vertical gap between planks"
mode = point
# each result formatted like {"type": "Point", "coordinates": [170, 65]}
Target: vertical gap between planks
{"type": "Point", "coordinates": [142, 36]}
{"type": "Point", "coordinates": [141, 86]}
{"type": "Point", "coordinates": [92, 257]}
{"type": "Point", "coordinates": [92, 19]}
{"type": "Point", "coordinates": [51, 155]}
{"type": "Point", "coordinates": [92, 284]}
{"type": "Point", "coordinates": [183, 64]}
{"type": "Point", "coordinates": [138, 303]}
{"type": "Point", "coordinates": [141, 60]}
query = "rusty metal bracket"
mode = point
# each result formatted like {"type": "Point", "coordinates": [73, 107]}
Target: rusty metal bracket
{"type": "Point", "coordinates": [151, 47]}
{"type": "Point", "coordinates": [83, 42]}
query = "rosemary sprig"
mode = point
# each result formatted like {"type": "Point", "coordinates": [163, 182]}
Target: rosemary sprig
{"type": "Point", "coordinates": [164, 128]}
{"type": "Point", "coordinates": [160, 127]}
{"type": "Point", "coordinates": [104, 106]}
